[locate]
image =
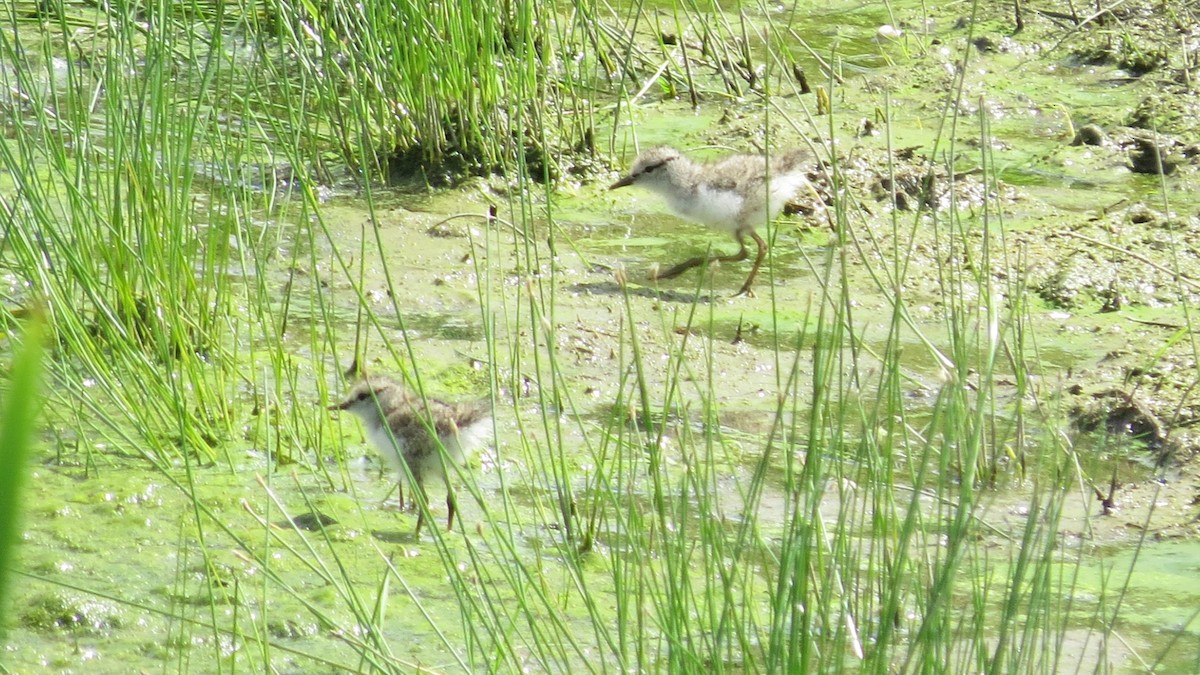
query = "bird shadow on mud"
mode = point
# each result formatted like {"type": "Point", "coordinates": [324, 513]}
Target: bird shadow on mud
{"type": "Point", "coordinates": [613, 288]}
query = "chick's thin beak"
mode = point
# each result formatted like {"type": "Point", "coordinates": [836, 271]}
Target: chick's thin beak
{"type": "Point", "coordinates": [627, 180]}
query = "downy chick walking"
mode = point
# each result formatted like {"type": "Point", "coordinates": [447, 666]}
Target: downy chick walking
{"type": "Point", "coordinates": [736, 194]}
{"type": "Point", "coordinates": [398, 424]}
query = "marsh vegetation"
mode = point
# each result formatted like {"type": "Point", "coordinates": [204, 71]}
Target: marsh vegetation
{"type": "Point", "coordinates": [951, 433]}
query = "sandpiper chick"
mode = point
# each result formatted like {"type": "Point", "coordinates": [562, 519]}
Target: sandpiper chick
{"type": "Point", "coordinates": [397, 422]}
{"type": "Point", "coordinates": [731, 194]}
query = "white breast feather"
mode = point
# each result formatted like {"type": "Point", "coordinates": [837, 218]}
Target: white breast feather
{"type": "Point", "coordinates": [718, 209]}
{"type": "Point", "coordinates": [390, 447]}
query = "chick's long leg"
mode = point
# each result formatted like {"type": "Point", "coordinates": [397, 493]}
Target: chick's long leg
{"type": "Point", "coordinates": [451, 506]}
{"type": "Point", "coordinates": [688, 264]}
{"type": "Point", "coordinates": [758, 260]}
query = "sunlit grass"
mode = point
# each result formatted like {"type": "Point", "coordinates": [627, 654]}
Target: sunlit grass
{"type": "Point", "coordinates": [18, 425]}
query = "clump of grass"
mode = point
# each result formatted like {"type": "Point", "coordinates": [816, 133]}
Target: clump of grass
{"type": "Point", "coordinates": [437, 92]}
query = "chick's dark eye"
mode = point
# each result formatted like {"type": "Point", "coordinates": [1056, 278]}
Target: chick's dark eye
{"type": "Point", "coordinates": [657, 165]}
